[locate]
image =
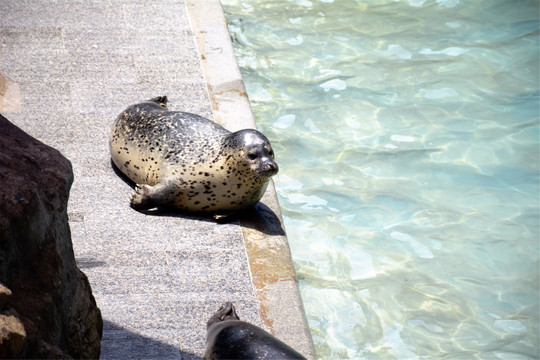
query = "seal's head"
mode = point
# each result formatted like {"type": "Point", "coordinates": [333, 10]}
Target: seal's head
{"type": "Point", "coordinates": [254, 152]}
{"type": "Point", "coordinates": [228, 337]}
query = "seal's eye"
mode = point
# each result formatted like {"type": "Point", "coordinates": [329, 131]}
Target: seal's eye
{"type": "Point", "coordinates": [271, 153]}
{"type": "Point", "coordinates": [252, 156]}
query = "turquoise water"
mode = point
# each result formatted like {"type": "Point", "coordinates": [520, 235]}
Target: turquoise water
{"type": "Point", "coordinates": [407, 134]}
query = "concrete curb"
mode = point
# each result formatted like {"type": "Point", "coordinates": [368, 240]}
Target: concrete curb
{"type": "Point", "coordinates": [268, 252]}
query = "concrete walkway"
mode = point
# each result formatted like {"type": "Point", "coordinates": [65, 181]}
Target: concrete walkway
{"type": "Point", "coordinates": [67, 68]}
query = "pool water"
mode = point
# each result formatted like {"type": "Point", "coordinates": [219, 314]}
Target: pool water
{"type": "Point", "coordinates": [407, 134]}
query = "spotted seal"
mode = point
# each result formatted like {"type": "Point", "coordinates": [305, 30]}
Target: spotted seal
{"type": "Point", "coordinates": [186, 161]}
{"type": "Point", "coordinates": [228, 337]}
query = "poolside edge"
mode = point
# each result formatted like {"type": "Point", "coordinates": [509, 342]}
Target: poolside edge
{"type": "Point", "coordinates": [268, 252]}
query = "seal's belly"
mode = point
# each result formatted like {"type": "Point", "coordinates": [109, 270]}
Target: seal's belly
{"type": "Point", "coordinates": [208, 195]}
{"type": "Point", "coordinates": [207, 186]}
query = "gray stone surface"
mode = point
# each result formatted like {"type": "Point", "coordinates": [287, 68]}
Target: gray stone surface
{"type": "Point", "coordinates": [72, 66]}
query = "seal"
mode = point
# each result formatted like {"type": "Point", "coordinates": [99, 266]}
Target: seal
{"type": "Point", "coordinates": [228, 337]}
{"type": "Point", "coordinates": [182, 160]}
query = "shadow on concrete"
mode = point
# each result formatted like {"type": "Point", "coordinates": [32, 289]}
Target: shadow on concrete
{"type": "Point", "coordinates": [263, 219]}
{"type": "Point", "coordinates": [259, 217]}
{"type": "Point", "coordinates": [120, 343]}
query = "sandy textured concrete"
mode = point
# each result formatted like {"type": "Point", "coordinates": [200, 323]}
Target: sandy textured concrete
{"type": "Point", "coordinates": [68, 67]}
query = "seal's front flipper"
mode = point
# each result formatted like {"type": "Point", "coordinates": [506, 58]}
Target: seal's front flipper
{"type": "Point", "coordinates": [147, 197]}
{"type": "Point", "coordinates": [141, 198]}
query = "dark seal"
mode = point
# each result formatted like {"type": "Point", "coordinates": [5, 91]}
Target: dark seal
{"type": "Point", "coordinates": [230, 338]}
{"type": "Point", "coordinates": [183, 160]}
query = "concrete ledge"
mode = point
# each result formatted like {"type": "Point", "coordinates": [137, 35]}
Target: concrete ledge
{"type": "Point", "coordinates": [269, 257]}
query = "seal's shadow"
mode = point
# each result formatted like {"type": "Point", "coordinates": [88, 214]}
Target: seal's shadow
{"type": "Point", "coordinates": [259, 217]}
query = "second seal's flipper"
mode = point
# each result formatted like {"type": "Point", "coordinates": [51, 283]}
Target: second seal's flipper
{"type": "Point", "coordinates": [225, 312]}
{"type": "Point", "coordinates": [161, 100]}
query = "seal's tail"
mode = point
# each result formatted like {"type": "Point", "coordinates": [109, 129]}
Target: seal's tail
{"type": "Point", "coordinates": [161, 100]}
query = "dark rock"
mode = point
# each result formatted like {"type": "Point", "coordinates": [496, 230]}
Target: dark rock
{"type": "Point", "coordinates": [51, 296]}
